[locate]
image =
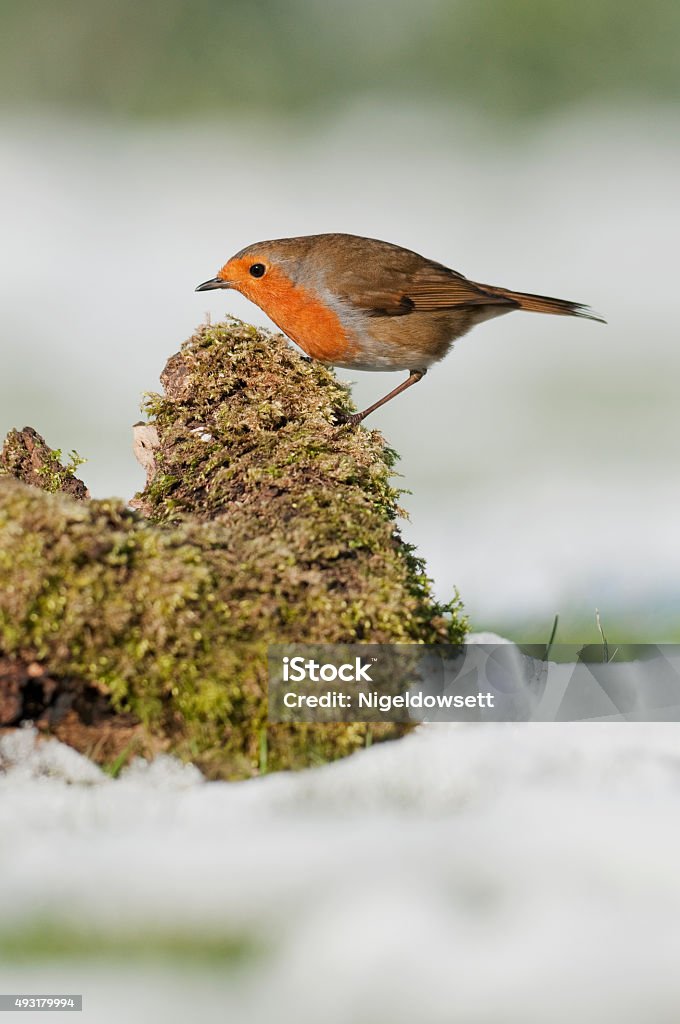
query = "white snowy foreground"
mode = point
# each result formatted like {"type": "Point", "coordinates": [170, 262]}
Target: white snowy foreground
{"type": "Point", "coordinates": [470, 872]}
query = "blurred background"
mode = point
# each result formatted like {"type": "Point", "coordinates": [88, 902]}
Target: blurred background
{"type": "Point", "coordinates": [532, 144]}
{"type": "Point", "coordinates": [527, 143]}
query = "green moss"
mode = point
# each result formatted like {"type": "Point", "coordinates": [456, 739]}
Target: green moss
{"type": "Point", "coordinates": [55, 473]}
{"type": "Point", "coordinates": [26, 456]}
{"type": "Point", "coordinates": [268, 523]}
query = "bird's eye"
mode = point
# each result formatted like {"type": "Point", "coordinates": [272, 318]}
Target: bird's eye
{"type": "Point", "coordinates": [258, 269]}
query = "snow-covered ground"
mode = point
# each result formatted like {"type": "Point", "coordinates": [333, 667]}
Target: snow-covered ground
{"type": "Point", "coordinates": [476, 873]}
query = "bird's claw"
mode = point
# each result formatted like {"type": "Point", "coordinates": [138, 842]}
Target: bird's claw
{"type": "Point", "coordinates": [345, 419]}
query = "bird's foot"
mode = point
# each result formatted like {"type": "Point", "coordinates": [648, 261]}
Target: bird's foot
{"type": "Point", "coordinates": [345, 419]}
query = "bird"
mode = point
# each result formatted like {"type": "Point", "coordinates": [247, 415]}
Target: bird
{"type": "Point", "coordinates": [366, 304]}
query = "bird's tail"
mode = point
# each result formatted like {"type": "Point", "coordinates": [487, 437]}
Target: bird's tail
{"type": "Point", "coordinates": [544, 304]}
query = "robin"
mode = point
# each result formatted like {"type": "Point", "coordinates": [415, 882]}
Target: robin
{"type": "Point", "coordinates": [370, 305]}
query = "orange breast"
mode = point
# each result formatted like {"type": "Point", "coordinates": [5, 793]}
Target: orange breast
{"type": "Point", "coordinates": [302, 316]}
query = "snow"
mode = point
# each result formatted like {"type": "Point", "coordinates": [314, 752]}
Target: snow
{"type": "Point", "coordinates": [469, 872]}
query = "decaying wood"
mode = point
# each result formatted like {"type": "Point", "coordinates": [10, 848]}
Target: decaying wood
{"type": "Point", "coordinates": [260, 522]}
{"type": "Point", "coordinates": [144, 444]}
{"type": "Point", "coordinates": [26, 456]}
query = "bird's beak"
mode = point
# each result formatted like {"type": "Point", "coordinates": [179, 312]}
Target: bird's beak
{"type": "Point", "coordinates": [214, 282]}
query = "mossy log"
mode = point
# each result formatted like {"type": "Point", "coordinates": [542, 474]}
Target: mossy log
{"type": "Point", "coordinates": [128, 631]}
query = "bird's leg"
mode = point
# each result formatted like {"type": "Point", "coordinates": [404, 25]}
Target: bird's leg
{"type": "Point", "coordinates": [413, 378]}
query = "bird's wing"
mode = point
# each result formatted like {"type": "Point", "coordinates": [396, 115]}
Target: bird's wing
{"type": "Point", "coordinates": [427, 287]}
